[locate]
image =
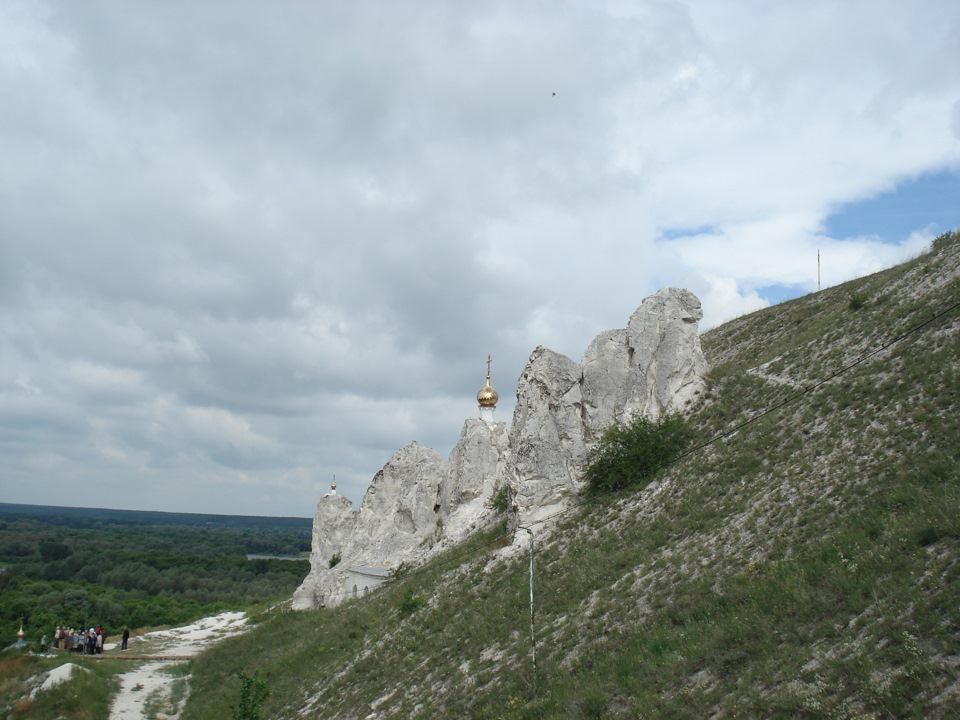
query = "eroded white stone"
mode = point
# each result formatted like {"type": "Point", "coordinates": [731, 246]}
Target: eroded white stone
{"type": "Point", "coordinates": [418, 504]}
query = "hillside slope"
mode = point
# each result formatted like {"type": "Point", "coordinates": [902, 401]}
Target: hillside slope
{"type": "Point", "coordinates": [803, 560]}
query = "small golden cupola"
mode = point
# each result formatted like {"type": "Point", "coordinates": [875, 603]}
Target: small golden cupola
{"type": "Point", "coordinates": [487, 397]}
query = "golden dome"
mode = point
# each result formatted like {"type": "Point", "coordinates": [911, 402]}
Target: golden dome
{"type": "Point", "coordinates": [487, 397]}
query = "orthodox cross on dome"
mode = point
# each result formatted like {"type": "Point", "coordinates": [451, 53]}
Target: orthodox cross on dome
{"type": "Point", "coordinates": [333, 486]}
{"type": "Point", "coordinates": [487, 397]}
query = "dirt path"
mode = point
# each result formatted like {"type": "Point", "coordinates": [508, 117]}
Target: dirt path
{"type": "Point", "coordinates": [149, 686]}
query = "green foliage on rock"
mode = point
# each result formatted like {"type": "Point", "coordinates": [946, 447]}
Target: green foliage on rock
{"type": "Point", "coordinates": [500, 500]}
{"type": "Point", "coordinates": [630, 454]}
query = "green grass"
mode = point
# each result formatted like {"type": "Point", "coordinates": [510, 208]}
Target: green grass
{"type": "Point", "coordinates": [806, 565]}
{"type": "Point", "coordinates": [86, 696]}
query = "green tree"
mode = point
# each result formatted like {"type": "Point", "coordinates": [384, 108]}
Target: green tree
{"type": "Point", "coordinates": [51, 550]}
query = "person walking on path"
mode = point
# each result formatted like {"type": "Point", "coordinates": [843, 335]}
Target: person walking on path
{"type": "Point", "coordinates": [126, 637]}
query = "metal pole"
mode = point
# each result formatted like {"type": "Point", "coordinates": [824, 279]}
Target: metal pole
{"type": "Point", "coordinates": [533, 617]}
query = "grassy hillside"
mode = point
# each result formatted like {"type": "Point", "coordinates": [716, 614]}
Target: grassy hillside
{"type": "Point", "coordinates": [803, 560]}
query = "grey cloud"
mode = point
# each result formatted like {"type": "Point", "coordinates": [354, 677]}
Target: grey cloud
{"type": "Point", "coordinates": [246, 247]}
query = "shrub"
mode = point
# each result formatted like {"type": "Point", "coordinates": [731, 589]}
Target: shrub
{"type": "Point", "coordinates": [500, 501]}
{"type": "Point", "coordinates": [335, 560]}
{"type": "Point", "coordinates": [410, 602]}
{"type": "Point", "coordinates": [253, 691]}
{"type": "Point", "coordinates": [945, 239]}
{"type": "Point", "coordinates": [857, 301]}
{"type": "Point", "coordinates": [630, 454]}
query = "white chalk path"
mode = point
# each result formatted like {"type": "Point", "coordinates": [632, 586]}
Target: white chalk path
{"type": "Point", "coordinates": [152, 678]}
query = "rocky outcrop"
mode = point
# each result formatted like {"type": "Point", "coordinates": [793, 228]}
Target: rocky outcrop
{"type": "Point", "coordinates": [653, 366]}
{"type": "Point", "coordinates": [415, 505]}
{"type": "Point", "coordinates": [664, 342]}
{"type": "Point", "coordinates": [477, 462]}
{"type": "Point", "coordinates": [400, 509]}
{"type": "Point", "coordinates": [418, 503]}
{"type": "Point", "coordinates": [546, 434]}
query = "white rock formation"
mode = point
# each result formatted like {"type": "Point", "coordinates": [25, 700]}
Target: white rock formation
{"type": "Point", "coordinates": [415, 505]}
{"type": "Point", "coordinates": [653, 366]}
{"type": "Point", "coordinates": [546, 435]}
{"type": "Point", "coordinates": [418, 503]}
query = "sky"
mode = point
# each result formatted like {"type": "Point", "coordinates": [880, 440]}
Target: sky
{"type": "Point", "coordinates": [250, 247]}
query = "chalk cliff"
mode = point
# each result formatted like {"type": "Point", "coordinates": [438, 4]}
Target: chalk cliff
{"type": "Point", "coordinates": [418, 503]}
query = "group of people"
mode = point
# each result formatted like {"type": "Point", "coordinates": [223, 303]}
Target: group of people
{"type": "Point", "coordinates": [88, 642]}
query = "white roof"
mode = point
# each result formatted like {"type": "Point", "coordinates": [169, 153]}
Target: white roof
{"type": "Point", "coordinates": [372, 571]}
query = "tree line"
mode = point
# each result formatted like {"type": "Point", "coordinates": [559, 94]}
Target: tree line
{"type": "Point", "coordinates": [135, 575]}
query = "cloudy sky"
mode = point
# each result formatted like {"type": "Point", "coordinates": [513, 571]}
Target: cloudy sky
{"type": "Point", "coordinates": [247, 246]}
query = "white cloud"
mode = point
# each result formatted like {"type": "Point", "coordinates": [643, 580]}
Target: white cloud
{"type": "Point", "coordinates": [243, 249]}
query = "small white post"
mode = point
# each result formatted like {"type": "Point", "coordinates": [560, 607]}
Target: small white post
{"type": "Point", "coordinates": [533, 617]}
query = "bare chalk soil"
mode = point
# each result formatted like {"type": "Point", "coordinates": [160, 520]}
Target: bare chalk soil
{"type": "Point", "coordinates": [147, 691]}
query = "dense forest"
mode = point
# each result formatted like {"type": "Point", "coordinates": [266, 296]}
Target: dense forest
{"type": "Point", "coordinates": [82, 567]}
